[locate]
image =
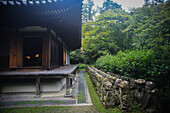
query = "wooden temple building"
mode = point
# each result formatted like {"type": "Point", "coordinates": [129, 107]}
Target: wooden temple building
{"type": "Point", "coordinates": [36, 37]}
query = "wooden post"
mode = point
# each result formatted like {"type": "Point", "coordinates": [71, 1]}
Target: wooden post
{"type": "Point", "coordinates": [38, 92]}
{"type": "Point", "coordinates": [49, 52]}
{"type": "Point", "coordinates": [64, 55]}
{"type": "Point", "coordinates": [67, 85]}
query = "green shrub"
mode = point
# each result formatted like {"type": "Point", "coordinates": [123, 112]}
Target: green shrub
{"type": "Point", "coordinates": [76, 57]}
{"type": "Point", "coordinates": [104, 62]}
{"type": "Point", "coordinates": [82, 66]}
{"type": "Point", "coordinates": [146, 64]}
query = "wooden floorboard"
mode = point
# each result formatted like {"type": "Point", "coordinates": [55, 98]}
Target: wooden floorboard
{"type": "Point", "coordinates": [62, 71]}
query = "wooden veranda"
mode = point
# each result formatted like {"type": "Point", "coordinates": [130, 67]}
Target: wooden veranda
{"type": "Point", "coordinates": [68, 72]}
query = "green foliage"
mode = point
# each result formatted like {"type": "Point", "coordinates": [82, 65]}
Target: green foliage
{"type": "Point", "coordinates": [81, 97]}
{"type": "Point", "coordinates": [150, 26]}
{"type": "Point", "coordinates": [135, 44]}
{"type": "Point", "coordinates": [35, 109]}
{"type": "Point", "coordinates": [105, 34]}
{"type": "Point", "coordinates": [41, 101]}
{"type": "Point", "coordinates": [82, 66]}
{"type": "Point", "coordinates": [144, 64]}
{"type": "Point", "coordinates": [115, 30]}
{"type": "Point", "coordinates": [76, 57]}
{"type": "Point", "coordinates": [33, 102]}
{"type": "Point", "coordinates": [88, 13]}
{"type": "Point", "coordinates": [104, 62]}
{"type": "Point", "coordinates": [81, 56]}
{"type": "Point", "coordinates": [109, 5]}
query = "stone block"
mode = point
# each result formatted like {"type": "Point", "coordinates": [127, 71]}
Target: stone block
{"type": "Point", "coordinates": [149, 85]}
{"type": "Point", "coordinates": [108, 85]}
{"type": "Point", "coordinates": [123, 84]}
{"type": "Point", "coordinates": [117, 82]}
{"type": "Point", "coordinates": [140, 81]}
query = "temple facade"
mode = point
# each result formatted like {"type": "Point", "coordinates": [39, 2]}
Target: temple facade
{"type": "Point", "coordinates": [36, 37]}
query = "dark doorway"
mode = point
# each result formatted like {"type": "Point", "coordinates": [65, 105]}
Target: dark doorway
{"type": "Point", "coordinates": [4, 53]}
{"type": "Point", "coordinates": [32, 52]}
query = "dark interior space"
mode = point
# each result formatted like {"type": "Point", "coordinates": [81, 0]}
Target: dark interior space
{"type": "Point", "coordinates": [32, 51]}
{"type": "Point", "coordinates": [4, 63]}
{"type": "Point", "coordinates": [4, 54]}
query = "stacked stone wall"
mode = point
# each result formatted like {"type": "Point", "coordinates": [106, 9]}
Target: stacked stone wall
{"type": "Point", "coordinates": [125, 92]}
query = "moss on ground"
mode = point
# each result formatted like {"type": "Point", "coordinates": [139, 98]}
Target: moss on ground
{"type": "Point", "coordinates": [81, 96]}
{"type": "Point", "coordinates": [41, 101]}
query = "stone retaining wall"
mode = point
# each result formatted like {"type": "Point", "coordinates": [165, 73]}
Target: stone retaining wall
{"type": "Point", "coordinates": [124, 92]}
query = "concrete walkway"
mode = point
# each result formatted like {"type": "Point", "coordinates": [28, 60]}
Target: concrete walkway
{"type": "Point", "coordinates": [50, 99]}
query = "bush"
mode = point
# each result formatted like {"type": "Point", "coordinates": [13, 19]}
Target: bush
{"type": "Point", "coordinates": [81, 56]}
{"type": "Point", "coordinates": [145, 64]}
{"type": "Point", "coordinates": [76, 57]}
{"type": "Point", "coordinates": [82, 66]}
{"type": "Point", "coordinates": [104, 62]}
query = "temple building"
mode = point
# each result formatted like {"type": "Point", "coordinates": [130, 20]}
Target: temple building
{"type": "Point", "coordinates": [36, 37]}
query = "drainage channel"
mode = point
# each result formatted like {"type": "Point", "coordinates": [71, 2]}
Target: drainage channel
{"type": "Point", "coordinates": [82, 89]}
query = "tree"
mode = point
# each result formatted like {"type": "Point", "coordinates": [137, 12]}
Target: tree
{"type": "Point", "coordinates": [76, 57]}
{"type": "Point", "coordinates": [155, 2]}
{"type": "Point", "coordinates": [88, 11]}
{"type": "Point", "coordinates": [150, 26]}
{"type": "Point", "coordinates": [104, 35]}
{"type": "Point", "coordinates": [109, 5]}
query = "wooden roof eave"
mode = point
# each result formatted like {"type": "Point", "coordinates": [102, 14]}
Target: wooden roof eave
{"type": "Point", "coordinates": [64, 20]}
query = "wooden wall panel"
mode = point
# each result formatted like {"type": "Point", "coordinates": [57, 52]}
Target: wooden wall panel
{"type": "Point", "coordinates": [12, 57]}
{"type": "Point", "coordinates": [46, 52]}
{"type": "Point", "coordinates": [16, 55]}
{"type": "Point", "coordinates": [19, 52]}
{"type": "Point", "coordinates": [54, 54]}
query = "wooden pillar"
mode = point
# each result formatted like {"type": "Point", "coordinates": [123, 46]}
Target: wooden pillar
{"type": "Point", "coordinates": [49, 53]}
{"type": "Point", "coordinates": [67, 86]}
{"type": "Point", "coordinates": [64, 55]}
{"type": "Point", "coordinates": [38, 92]}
